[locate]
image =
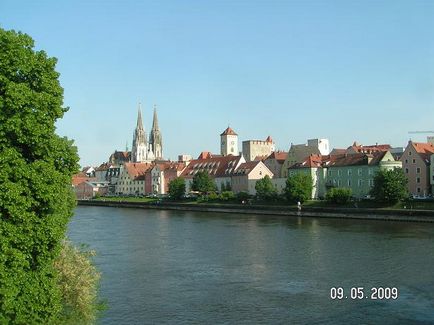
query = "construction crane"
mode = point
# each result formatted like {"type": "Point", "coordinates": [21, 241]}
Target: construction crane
{"type": "Point", "coordinates": [419, 132]}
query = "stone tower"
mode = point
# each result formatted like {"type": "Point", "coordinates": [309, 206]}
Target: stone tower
{"type": "Point", "coordinates": [155, 138]}
{"type": "Point", "coordinates": [139, 152]}
{"type": "Point", "coordinates": [229, 142]}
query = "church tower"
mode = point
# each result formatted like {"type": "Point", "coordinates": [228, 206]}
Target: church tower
{"type": "Point", "coordinates": [139, 152]}
{"type": "Point", "coordinates": [155, 138]}
{"type": "Point", "coordinates": [229, 143]}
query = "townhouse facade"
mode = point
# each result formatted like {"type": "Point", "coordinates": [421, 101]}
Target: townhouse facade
{"type": "Point", "coordinates": [244, 178]}
{"type": "Point", "coordinates": [131, 180]}
{"type": "Point", "coordinates": [416, 162]}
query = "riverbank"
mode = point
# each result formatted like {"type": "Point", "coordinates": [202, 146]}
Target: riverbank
{"type": "Point", "coordinates": [407, 215]}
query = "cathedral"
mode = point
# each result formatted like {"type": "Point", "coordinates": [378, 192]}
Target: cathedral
{"type": "Point", "coordinates": [145, 150]}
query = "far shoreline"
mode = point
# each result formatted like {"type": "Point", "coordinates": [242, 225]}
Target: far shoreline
{"type": "Point", "coordinates": [405, 215]}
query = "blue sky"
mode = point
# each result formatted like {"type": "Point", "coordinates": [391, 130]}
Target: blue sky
{"type": "Point", "coordinates": [343, 70]}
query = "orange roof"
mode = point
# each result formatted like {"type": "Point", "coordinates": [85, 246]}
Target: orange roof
{"type": "Point", "coordinates": [205, 155]}
{"type": "Point", "coordinates": [228, 131]}
{"type": "Point", "coordinates": [137, 170]}
{"type": "Point", "coordinates": [425, 150]}
{"type": "Point", "coordinates": [269, 139]}
{"type": "Point", "coordinates": [222, 166]}
{"type": "Point", "coordinates": [81, 178]}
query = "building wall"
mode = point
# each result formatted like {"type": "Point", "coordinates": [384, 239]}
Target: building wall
{"type": "Point", "coordinates": [417, 172]}
{"type": "Point", "coordinates": [127, 186]}
{"type": "Point", "coordinates": [274, 166]}
{"type": "Point", "coordinates": [432, 174]}
{"type": "Point", "coordinates": [296, 154]}
{"type": "Point", "coordinates": [254, 148]}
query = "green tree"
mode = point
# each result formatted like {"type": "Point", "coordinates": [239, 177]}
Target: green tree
{"type": "Point", "coordinates": [177, 188]}
{"type": "Point", "coordinates": [390, 186]}
{"type": "Point", "coordinates": [36, 165]}
{"type": "Point", "coordinates": [265, 189]}
{"type": "Point", "coordinates": [339, 195]}
{"type": "Point", "coordinates": [298, 188]}
{"type": "Point", "coordinates": [203, 183]}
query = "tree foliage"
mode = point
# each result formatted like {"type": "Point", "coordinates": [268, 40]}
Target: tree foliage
{"type": "Point", "coordinates": [390, 186]}
{"type": "Point", "coordinates": [299, 188]}
{"type": "Point", "coordinates": [36, 166]}
{"type": "Point", "coordinates": [203, 183]}
{"type": "Point", "coordinates": [265, 189]}
{"type": "Point", "coordinates": [339, 195]}
{"type": "Point", "coordinates": [177, 188]}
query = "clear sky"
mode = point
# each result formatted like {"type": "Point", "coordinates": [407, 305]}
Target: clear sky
{"type": "Point", "coordinates": [343, 70]}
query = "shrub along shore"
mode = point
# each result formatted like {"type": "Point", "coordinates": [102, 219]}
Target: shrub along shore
{"type": "Point", "coordinates": [416, 211]}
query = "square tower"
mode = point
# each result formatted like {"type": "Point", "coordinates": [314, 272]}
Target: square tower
{"type": "Point", "coordinates": [229, 142]}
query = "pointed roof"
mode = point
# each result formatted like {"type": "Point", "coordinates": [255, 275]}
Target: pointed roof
{"type": "Point", "coordinates": [139, 118]}
{"type": "Point", "coordinates": [269, 139]}
{"type": "Point", "coordinates": [425, 150]}
{"type": "Point", "coordinates": [228, 131]}
{"type": "Point", "coordinates": [155, 120]}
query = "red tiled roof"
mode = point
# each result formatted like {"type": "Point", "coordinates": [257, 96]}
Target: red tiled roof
{"type": "Point", "coordinates": [269, 139]}
{"type": "Point", "coordinates": [222, 166]}
{"type": "Point", "coordinates": [425, 150]}
{"type": "Point", "coordinates": [205, 155]}
{"type": "Point", "coordinates": [228, 131]}
{"type": "Point", "coordinates": [369, 149]}
{"type": "Point", "coordinates": [137, 170]}
{"type": "Point", "coordinates": [102, 167]}
{"type": "Point", "coordinates": [280, 156]}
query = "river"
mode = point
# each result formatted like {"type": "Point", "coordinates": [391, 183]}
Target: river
{"type": "Point", "coordinates": [173, 267]}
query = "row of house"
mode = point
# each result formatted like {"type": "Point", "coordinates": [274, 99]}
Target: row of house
{"type": "Point", "coordinates": [353, 167]}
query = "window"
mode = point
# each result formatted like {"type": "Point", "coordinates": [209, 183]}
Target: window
{"type": "Point", "coordinates": [359, 172]}
{"type": "Point", "coordinates": [418, 190]}
{"type": "Point", "coordinates": [339, 173]}
{"type": "Point", "coordinates": [360, 183]}
{"type": "Point", "coordinates": [406, 170]}
{"type": "Point", "coordinates": [409, 153]}
{"type": "Point", "coordinates": [370, 171]}
{"type": "Point", "coordinates": [350, 172]}
{"type": "Point", "coordinates": [406, 161]}
{"type": "Point", "coordinates": [349, 182]}
{"type": "Point", "coordinates": [414, 161]}
{"type": "Point", "coordinates": [418, 180]}
{"type": "Point", "coordinates": [329, 173]}
{"type": "Point", "coordinates": [418, 170]}
{"type": "Point", "coordinates": [339, 182]}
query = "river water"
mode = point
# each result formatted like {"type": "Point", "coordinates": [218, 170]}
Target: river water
{"type": "Point", "coordinates": [172, 267]}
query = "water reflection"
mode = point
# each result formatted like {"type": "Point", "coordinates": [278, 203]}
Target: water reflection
{"type": "Point", "coordinates": [184, 267]}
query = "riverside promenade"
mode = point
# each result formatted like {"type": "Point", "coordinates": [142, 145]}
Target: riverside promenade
{"type": "Point", "coordinates": [407, 215]}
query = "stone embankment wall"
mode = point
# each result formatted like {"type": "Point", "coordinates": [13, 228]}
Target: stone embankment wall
{"type": "Point", "coordinates": [343, 213]}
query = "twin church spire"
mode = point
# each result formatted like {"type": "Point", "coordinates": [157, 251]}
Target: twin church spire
{"type": "Point", "coordinates": [144, 150]}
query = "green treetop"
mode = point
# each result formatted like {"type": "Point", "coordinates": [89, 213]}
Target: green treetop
{"type": "Point", "coordinates": [36, 166]}
{"type": "Point", "coordinates": [265, 189]}
{"type": "Point", "coordinates": [203, 183]}
{"type": "Point", "coordinates": [299, 188]}
{"type": "Point", "coordinates": [390, 186]}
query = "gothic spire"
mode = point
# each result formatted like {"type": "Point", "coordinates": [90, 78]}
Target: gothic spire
{"type": "Point", "coordinates": [139, 118]}
{"type": "Point", "coordinates": [155, 120]}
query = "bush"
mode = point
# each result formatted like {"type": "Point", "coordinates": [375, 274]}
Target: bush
{"type": "Point", "coordinates": [339, 195]}
{"type": "Point", "coordinates": [227, 196]}
{"type": "Point", "coordinates": [78, 280]}
{"type": "Point", "coordinates": [242, 196]}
